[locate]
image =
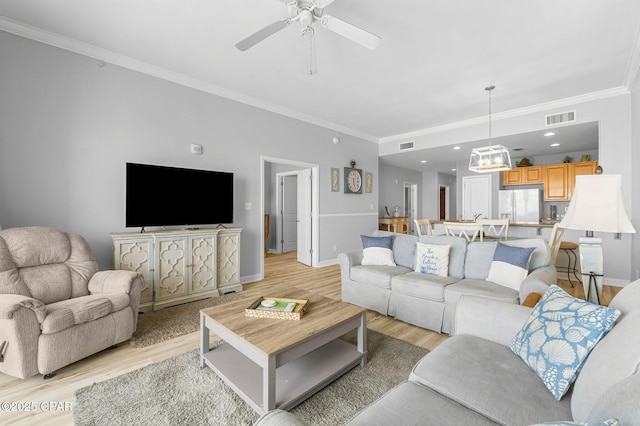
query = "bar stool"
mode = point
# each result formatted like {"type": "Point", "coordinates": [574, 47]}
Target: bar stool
{"type": "Point", "coordinates": [570, 249]}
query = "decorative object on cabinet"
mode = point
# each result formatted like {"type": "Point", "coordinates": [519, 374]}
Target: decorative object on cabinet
{"type": "Point", "coordinates": [386, 210]}
{"type": "Point", "coordinates": [586, 157]}
{"type": "Point", "coordinates": [525, 162]}
{"type": "Point", "coordinates": [180, 266]}
{"type": "Point", "coordinates": [493, 158]}
{"type": "Point", "coordinates": [597, 205]}
{"type": "Point", "coordinates": [335, 179]}
{"type": "Point", "coordinates": [567, 159]}
{"type": "Point", "coordinates": [352, 179]}
{"type": "Point", "coordinates": [368, 182]}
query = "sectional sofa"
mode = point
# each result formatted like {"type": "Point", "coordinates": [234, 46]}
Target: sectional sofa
{"type": "Point", "coordinates": [429, 300]}
{"type": "Point", "coordinates": [474, 378]}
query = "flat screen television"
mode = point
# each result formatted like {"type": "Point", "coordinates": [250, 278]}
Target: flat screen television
{"type": "Point", "coordinates": [171, 196]}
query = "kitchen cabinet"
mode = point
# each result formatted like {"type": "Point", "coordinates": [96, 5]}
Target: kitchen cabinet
{"type": "Point", "coordinates": [560, 179]}
{"type": "Point", "coordinates": [523, 176]}
{"type": "Point", "coordinates": [556, 182]}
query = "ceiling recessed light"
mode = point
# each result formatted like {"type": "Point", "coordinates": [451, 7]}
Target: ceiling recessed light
{"type": "Point", "coordinates": [453, 170]}
{"type": "Point", "coordinates": [550, 134]}
{"type": "Point", "coordinates": [456, 147]}
{"type": "Point", "coordinates": [423, 161]}
{"type": "Point", "coordinates": [555, 144]}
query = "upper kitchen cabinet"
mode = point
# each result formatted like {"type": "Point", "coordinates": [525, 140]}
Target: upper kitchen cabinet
{"type": "Point", "coordinates": [556, 182]}
{"type": "Point", "coordinates": [523, 176]}
{"type": "Point", "coordinates": [559, 179]}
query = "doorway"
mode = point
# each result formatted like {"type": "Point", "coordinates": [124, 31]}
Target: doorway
{"type": "Point", "coordinates": [287, 224]}
{"type": "Point", "coordinates": [305, 206]}
{"type": "Point", "coordinates": [476, 197]}
{"type": "Point", "coordinates": [411, 205]}
{"type": "Point", "coordinates": [444, 207]}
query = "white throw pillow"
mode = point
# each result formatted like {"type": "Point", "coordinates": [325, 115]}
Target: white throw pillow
{"type": "Point", "coordinates": [510, 265]}
{"type": "Point", "coordinates": [432, 259]}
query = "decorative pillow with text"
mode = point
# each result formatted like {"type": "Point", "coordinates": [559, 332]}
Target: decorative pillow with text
{"type": "Point", "coordinates": [432, 259]}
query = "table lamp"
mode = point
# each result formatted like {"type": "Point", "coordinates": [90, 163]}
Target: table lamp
{"type": "Point", "coordinates": [596, 205]}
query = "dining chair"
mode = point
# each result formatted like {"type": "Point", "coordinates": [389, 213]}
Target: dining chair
{"type": "Point", "coordinates": [497, 229]}
{"type": "Point", "coordinates": [423, 227]}
{"type": "Point", "coordinates": [469, 230]}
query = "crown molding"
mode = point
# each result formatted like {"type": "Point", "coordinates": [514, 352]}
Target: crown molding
{"type": "Point", "coordinates": [543, 107]}
{"type": "Point", "coordinates": [66, 43]}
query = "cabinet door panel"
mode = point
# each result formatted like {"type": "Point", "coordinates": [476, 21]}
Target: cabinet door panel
{"type": "Point", "coordinates": [577, 169]}
{"type": "Point", "coordinates": [532, 174]}
{"type": "Point", "coordinates": [136, 256]}
{"type": "Point", "coordinates": [171, 268]}
{"type": "Point", "coordinates": [512, 177]}
{"type": "Point", "coordinates": [555, 182]}
{"type": "Point", "coordinates": [228, 259]}
{"type": "Point", "coordinates": [202, 263]}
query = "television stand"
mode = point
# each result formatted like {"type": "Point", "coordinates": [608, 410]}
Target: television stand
{"type": "Point", "coordinates": [180, 266]}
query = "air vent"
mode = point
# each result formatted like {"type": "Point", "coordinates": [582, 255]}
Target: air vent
{"type": "Point", "coordinates": [563, 117]}
{"type": "Point", "coordinates": [406, 146]}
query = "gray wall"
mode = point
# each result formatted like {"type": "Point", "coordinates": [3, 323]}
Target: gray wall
{"type": "Point", "coordinates": [68, 126]}
{"type": "Point", "coordinates": [391, 192]}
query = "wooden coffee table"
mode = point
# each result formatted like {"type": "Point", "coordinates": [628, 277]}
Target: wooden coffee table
{"type": "Point", "coordinates": [274, 363]}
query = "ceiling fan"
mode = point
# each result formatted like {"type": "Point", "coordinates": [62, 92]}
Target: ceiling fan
{"type": "Point", "coordinates": [307, 12]}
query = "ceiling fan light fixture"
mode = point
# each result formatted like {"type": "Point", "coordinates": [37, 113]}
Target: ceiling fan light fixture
{"type": "Point", "coordinates": [493, 158]}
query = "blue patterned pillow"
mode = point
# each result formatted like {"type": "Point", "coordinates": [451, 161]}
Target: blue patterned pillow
{"type": "Point", "coordinates": [559, 335]}
{"type": "Point", "coordinates": [510, 265]}
{"type": "Point", "coordinates": [377, 250]}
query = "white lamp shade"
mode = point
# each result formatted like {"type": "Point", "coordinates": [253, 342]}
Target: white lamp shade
{"type": "Point", "coordinates": [597, 205]}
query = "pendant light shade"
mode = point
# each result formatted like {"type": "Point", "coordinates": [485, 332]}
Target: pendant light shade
{"type": "Point", "coordinates": [493, 158]}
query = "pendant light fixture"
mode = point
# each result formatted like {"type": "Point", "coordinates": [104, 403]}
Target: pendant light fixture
{"type": "Point", "coordinates": [492, 158]}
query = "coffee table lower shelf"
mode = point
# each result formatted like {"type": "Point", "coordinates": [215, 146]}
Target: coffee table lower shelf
{"type": "Point", "coordinates": [295, 380]}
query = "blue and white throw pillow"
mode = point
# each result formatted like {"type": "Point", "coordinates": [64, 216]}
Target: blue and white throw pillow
{"type": "Point", "coordinates": [558, 336]}
{"type": "Point", "coordinates": [432, 259]}
{"type": "Point", "coordinates": [377, 250]}
{"type": "Point", "coordinates": [510, 265]}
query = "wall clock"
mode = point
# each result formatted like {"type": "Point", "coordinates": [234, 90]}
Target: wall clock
{"type": "Point", "coordinates": [352, 179]}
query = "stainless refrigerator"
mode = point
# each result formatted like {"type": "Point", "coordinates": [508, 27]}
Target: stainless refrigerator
{"type": "Point", "coordinates": [520, 205]}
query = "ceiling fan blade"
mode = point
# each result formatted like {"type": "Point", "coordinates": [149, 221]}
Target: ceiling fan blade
{"type": "Point", "coordinates": [260, 35]}
{"type": "Point", "coordinates": [350, 31]}
{"type": "Point", "coordinates": [322, 3]}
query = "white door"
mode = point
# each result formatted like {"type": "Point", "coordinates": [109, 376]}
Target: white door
{"type": "Point", "coordinates": [411, 205]}
{"type": "Point", "coordinates": [476, 197]}
{"type": "Point", "coordinates": [289, 213]}
{"type": "Point", "coordinates": [304, 216]}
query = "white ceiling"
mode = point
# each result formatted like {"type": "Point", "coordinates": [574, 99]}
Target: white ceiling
{"type": "Point", "coordinates": [431, 68]}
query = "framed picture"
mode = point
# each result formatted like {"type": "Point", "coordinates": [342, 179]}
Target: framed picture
{"type": "Point", "coordinates": [368, 182]}
{"type": "Point", "coordinates": [335, 179]}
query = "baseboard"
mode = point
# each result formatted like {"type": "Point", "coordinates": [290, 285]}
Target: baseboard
{"type": "Point", "coordinates": [328, 262]}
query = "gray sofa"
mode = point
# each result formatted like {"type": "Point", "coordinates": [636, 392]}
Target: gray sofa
{"type": "Point", "coordinates": [428, 300]}
{"type": "Point", "coordinates": [473, 378]}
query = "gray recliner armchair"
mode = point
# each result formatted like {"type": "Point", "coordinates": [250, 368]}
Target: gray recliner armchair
{"type": "Point", "coordinates": [55, 306]}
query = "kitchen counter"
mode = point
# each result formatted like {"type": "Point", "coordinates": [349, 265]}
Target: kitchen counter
{"type": "Point", "coordinates": [533, 225]}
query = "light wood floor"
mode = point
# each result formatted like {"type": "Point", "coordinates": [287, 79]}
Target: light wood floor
{"type": "Point", "coordinates": [280, 271]}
